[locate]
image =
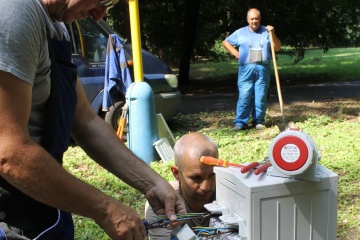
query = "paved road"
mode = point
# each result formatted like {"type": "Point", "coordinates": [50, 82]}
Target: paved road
{"type": "Point", "coordinates": [293, 94]}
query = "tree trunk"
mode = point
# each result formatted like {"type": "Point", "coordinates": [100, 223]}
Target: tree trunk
{"type": "Point", "coordinates": [189, 34]}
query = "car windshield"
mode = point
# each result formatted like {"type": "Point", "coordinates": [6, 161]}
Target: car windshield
{"type": "Point", "coordinates": [109, 30]}
{"type": "Point", "coordinates": [94, 41]}
{"type": "Point", "coordinates": [90, 39]}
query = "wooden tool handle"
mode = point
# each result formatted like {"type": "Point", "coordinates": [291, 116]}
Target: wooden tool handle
{"type": "Point", "coordinates": [276, 72]}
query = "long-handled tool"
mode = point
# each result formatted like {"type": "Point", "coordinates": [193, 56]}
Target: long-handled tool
{"type": "Point", "coordinates": [284, 125]}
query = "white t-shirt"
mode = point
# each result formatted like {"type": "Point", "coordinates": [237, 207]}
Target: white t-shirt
{"type": "Point", "coordinates": [24, 51]}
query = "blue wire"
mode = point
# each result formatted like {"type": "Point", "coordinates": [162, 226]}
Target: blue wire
{"type": "Point", "coordinates": [211, 231]}
{"type": "Point", "coordinates": [206, 231]}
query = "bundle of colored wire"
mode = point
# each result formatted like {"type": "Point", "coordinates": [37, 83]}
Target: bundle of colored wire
{"type": "Point", "coordinates": [211, 232]}
{"type": "Point", "coordinates": [184, 216]}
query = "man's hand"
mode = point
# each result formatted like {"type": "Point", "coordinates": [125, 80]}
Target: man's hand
{"type": "Point", "coordinates": [163, 194]}
{"type": "Point", "coordinates": [276, 41]}
{"type": "Point", "coordinates": [270, 28]}
{"type": "Point", "coordinates": [120, 222]}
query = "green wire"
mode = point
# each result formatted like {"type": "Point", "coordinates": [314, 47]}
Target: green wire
{"type": "Point", "coordinates": [184, 215]}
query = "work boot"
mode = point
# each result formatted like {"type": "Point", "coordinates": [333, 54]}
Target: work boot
{"type": "Point", "coordinates": [238, 128]}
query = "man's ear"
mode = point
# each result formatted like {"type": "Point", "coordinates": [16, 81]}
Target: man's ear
{"type": "Point", "coordinates": [175, 171]}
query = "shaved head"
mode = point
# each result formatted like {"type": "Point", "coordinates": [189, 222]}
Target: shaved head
{"type": "Point", "coordinates": [253, 11]}
{"type": "Point", "coordinates": [192, 147]}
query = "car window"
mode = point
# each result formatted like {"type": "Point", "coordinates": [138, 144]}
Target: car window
{"type": "Point", "coordinates": [75, 39]}
{"type": "Point", "coordinates": [94, 42]}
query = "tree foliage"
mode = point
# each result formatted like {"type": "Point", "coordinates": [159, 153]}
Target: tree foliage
{"type": "Point", "coordinates": [299, 24]}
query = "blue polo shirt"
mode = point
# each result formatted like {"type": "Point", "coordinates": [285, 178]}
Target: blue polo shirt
{"type": "Point", "coordinates": [245, 40]}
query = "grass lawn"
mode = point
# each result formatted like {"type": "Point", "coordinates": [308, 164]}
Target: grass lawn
{"type": "Point", "coordinates": [336, 133]}
{"type": "Point", "coordinates": [338, 65]}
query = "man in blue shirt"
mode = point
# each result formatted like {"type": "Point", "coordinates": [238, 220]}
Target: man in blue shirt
{"type": "Point", "coordinates": [251, 46]}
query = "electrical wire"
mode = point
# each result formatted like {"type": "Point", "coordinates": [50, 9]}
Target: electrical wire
{"type": "Point", "coordinates": [181, 217]}
{"type": "Point", "coordinates": [211, 232]}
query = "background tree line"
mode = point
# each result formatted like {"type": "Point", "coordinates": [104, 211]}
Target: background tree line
{"type": "Point", "coordinates": [178, 31]}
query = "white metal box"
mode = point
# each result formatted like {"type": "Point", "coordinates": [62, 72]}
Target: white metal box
{"type": "Point", "coordinates": [278, 208]}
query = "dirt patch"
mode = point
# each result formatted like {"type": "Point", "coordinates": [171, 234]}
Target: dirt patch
{"type": "Point", "coordinates": [339, 108]}
{"type": "Point", "coordinates": [214, 96]}
{"type": "Point", "coordinates": [228, 84]}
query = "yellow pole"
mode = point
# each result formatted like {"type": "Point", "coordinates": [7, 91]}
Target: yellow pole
{"type": "Point", "coordinates": [142, 123]}
{"type": "Point", "coordinates": [136, 40]}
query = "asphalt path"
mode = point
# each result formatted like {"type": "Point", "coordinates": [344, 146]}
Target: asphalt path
{"type": "Point", "coordinates": [291, 94]}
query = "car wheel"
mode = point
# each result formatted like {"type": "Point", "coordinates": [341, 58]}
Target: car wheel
{"type": "Point", "coordinates": [113, 115]}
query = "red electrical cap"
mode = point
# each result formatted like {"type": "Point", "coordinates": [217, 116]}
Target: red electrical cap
{"type": "Point", "coordinates": [290, 153]}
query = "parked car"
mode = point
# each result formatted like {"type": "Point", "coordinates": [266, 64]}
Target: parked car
{"type": "Point", "coordinates": [89, 42]}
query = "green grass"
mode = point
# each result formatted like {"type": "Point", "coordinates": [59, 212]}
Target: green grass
{"type": "Point", "coordinates": [336, 133]}
{"type": "Point", "coordinates": [336, 140]}
{"type": "Point", "coordinates": [339, 64]}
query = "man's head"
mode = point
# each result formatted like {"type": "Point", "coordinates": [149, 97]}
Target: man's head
{"type": "Point", "coordinates": [253, 18]}
{"type": "Point", "coordinates": [68, 11]}
{"type": "Point", "coordinates": [196, 179]}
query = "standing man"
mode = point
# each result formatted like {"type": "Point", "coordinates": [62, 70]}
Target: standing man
{"type": "Point", "coordinates": [195, 181]}
{"type": "Point", "coordinates": [42, 103]}
{"type": "Point", "coordinates": [254, 56]}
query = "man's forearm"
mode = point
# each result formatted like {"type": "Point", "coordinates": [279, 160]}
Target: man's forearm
{"type": "Point", "coordinates": [103, 146]}
{"type": "Point", "coordinates": [230, 49]}
{"type": "Point", "coordinates": [34, 172]}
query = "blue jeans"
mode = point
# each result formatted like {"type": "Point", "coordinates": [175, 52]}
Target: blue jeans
{"type": "Point", "coordinates": [253, 84]}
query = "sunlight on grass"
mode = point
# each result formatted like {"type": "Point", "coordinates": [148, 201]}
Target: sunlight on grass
{"type": "Point", "coordinates": [347, 62]}
{"type": "Point", "coordinates": [335, 64]}
{"type": "Point", "coordinates": [336, 140]}
{"type": "Point", "coordinates": [336, 137]}
{"type": "Point", "coordinates": [312, 66]}
{"type": "Point", "coordinates": [353, 54]}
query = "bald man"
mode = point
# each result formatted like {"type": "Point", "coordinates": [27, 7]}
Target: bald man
{"type": "Point", "coordinates": [251, 46]}
{"type": "Point", "coordinates": [195, 181]}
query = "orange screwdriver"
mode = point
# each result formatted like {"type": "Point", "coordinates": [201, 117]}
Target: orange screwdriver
{"type": "Point", "coordinates": [218, 162]}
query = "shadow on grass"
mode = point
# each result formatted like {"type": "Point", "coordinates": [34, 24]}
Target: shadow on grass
{"type": "Point", "coordinates": [298, 112]}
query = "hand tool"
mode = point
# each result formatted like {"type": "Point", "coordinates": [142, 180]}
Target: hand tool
{"type": "Point", "coordinates": [258, 167]}
{"type": "Point", "coordinates": [262, 168]}
{"type": "Point", "coordinates": [218, 162]}
{"type": "Point", "coordinates": [249, 167]}
{"type": "Point", "coordinates": [122, 122]}
{"type": "Point", "coordinates": [158, 223]}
